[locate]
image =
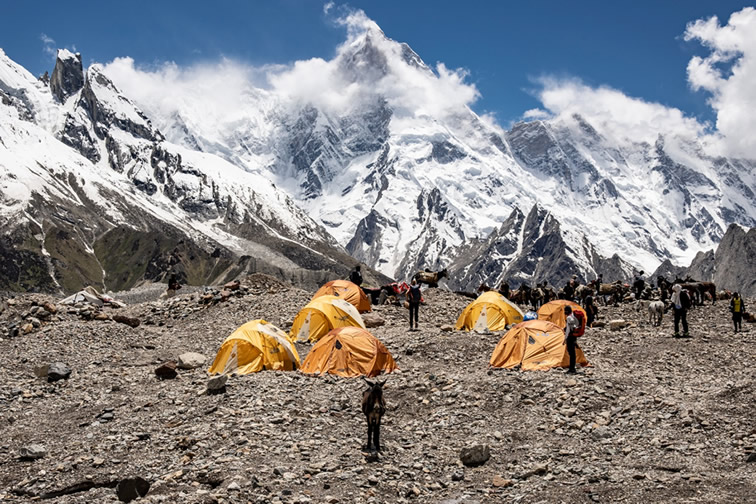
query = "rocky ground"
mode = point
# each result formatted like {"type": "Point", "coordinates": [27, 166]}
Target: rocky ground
{"type": "Point", "coordinates": [655, 419]}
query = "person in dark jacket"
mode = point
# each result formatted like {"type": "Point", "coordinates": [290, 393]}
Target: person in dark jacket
{"type": "Point", "coordinates": [680, 304]}
{"type": "Point", "coordinates": [591, 310]}
{"type": "Point", "coordinates": [737, 308]}
{"type": "Point", "coordinates": [413, 298]}
{"type": "Point", "coordinates": [356, 276]}
{"type": "Point", "coordinates": [571, 324]}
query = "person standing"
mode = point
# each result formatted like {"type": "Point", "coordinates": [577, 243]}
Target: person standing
{"type": "Point", "coordinates": [639, 285]}
{"type": "Point", "coordinates": [413, 297]}
{"type": "Point", "coordinates": [356, 276]}
{"type": "Point", "coordinates": [737, 307]}
{"type": "Point", "coordinates": [571, 324]}
{"type": "Point", "coordinates": [591, 310]}
{"type": "Point", "coordinates": [680, 304]}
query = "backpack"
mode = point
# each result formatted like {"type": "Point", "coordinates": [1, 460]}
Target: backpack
{"type": "Point", "coordinates": [580, 329]}
{"type": "Point", "coordinates": [685, 299]}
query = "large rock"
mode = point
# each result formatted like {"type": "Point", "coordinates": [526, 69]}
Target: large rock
{"type": "Point", "coordinates": [372, 319]}
{"type": "Point", "coordinates": [216, 385]}
{"type": "Point", "coordinates": [58, 371]}
{"type": "Point", "coordinates": [191, 360]}
{"type": "Point", "coordinates": [129, 321]}
{"type": "Point", "coordinates": [32, 452]}
{"type": "Point", "coordinates": [132, 488]}
{"type": "Point", "coordinates": [476, 455]}
{"type": "Point", "coordinates": [166, 370]}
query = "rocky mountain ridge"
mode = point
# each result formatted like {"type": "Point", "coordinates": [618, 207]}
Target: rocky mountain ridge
{"type": "Point", "coordinates": [404, 187]}
{"type": "Point", "coordinates": [93, 194]}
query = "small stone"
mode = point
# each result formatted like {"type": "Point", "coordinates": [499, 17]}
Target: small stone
{"type": "Point", "coordinates": [458, 476]}
{"type": "Point", "coordinates": [32, 452]}
{"type": "Point", "coordinates": [233, 487]}
{"type": "Point", "coordinates": [129, 321]}
{"type": "Point", "coordinates": [102, 316]}
{"type": "Point", "coordinates": [132, 488]}
{"type": "Point", "coordinates": [476, 455]}
{"type": "Point", "coordinates": [571, 382]}
{"type": "Point", "coordinates": [446, 328]}
{"type": "Point", "coordinates": [166, 370]}
{"type": "Point", "coordinates": [98, 461]}
{"type": "Point", "coordinates": [500, 482]}
{"type": "Point", "coordinates": [58, 371]}
{"type": "Point", "coordinates": [751, 457]}
{"type": "Point", "coordinates": [191, 360]}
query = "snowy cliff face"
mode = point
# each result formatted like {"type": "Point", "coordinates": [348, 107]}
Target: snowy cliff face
{"type": "Point", "coordinates": [404, 185]}
{"type": "Point", "coordinates": [92, 193]}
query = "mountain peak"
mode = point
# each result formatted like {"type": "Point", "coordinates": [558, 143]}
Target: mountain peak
{"type": "Point", "coordinates": [68, 75]}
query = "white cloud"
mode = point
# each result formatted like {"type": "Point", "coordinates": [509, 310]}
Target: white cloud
{"type": "Point", "coordinates": [733, 93]}
{"type": "Point", "coordinates": [48, 45]}
{"type": "Point", "coordinates": [221, 89]}
{"type": "Point", "coordinates": [535, 114]}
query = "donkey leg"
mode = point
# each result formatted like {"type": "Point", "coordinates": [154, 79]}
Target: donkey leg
{"type": "Point", "coordinates": [370, 435]}
{"type": "Point", "coordinates": [377, 435]}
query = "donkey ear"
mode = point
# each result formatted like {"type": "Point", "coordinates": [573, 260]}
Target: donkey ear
{"type": "Point", "coordinates": [370, 384]}
{"type": "Point", "coordinates": [382, 383]}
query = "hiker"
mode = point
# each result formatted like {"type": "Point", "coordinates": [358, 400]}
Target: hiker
{"type": "Point", "coordinates": [680, 304]}
{"type": "Point", "coordinates": [591, 310]}
{"type": "Point", "coordinates": [355, 276]}
{"type": "Point", "coordinates": [413, 297]}
{"type": "Point", "coordinates": [571, 324]}
{"type": "Point", "coordinates": [504, 289]}
{"type": "Point", "coordinates": [639, 284]}
{"type": "Point", "coordinates": [569, 289]}
{"type": "Point", "coordinates": [173, 285]}
{"type": "Point", "coordinates": [737, 308]}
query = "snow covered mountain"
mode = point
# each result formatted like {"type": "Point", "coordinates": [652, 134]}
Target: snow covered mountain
{"type": "Point", "coordinates": [405, 179]}
{"type": "Point", "coordinates": [92, 193]}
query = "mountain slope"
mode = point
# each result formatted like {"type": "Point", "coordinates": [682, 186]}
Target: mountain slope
{"type": "Point", "coordinates": [405, 182]}
{"type": "Point", "coordinates": [85, 176]}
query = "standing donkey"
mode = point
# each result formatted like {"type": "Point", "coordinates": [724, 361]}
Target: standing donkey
{"type": "Point", "coordinates": [373, 406]}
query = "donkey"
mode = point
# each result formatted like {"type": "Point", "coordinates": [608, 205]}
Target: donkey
{"type": "Point", "coordinates": [373, 406]}
{"type": "Point", "coordinates": [430, 277]}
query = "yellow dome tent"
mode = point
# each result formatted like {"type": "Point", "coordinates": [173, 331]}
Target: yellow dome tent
{"type": "Point", "coordinates": [490, 311]}
{"type": "Point", "coordinates": [534, 345]}
{"type": "Point", "coordinates": [553, 311]}
{"type": "Point", "coordinates": [349, 352]}
{"type": "Point", "coordinates": [253, 347]}
{"type": "Point", "coordinates": [347, 291]}
{"type": "Point", "coordinates": [321, 315]}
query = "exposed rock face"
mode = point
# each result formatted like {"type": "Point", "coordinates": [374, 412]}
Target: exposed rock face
{"type": "Point", "coordinates": [531, 249]}
{"type": "Point", "coordinates": [68, 75]}
{"type": "Point", "coordinates": [733, 265]}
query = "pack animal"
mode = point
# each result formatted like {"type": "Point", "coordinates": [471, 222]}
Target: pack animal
{"type": "Point", "coordinates": [655, 312]}
{"type": "Point", "coordinates": [431, 278]}
{"type": "Point", "coordinates": [373, 406]}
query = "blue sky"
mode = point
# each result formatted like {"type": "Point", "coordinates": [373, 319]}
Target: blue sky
{"type": "Point", "coordinates": [636, 47]}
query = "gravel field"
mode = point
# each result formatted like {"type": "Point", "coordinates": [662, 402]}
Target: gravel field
{"type": "Point", "coordinates": [655, 419]}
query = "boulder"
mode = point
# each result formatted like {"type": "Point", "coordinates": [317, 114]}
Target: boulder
{"type": "Point", "coordinates": [50, 308]}
{"type": "Point", "coordinates": [618, 324]}
{"type": "Point", "coordinates": [166, 370]}
{"type": "Point", "coordinates": [58, 371]}
{"type": "Point", "coordinates": [129, 321]}
{"type": "Point", "coordinates": [216, 385]}
{"type": "Point", "coordinates": [232, 286]}
{"type": "Point", "coordinates": [373, 320]}
{"type": "Point", "coordinates": [132, 488]}
{"type": "Point", "coordinates": [32, 452]}
{"type": "Point", "coordinates": [476, 455]}
{"type": "Point", "coordinates": [191, 360]}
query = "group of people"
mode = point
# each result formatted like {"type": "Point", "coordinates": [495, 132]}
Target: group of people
{"type": "Point", "coordinates": [414, 296]}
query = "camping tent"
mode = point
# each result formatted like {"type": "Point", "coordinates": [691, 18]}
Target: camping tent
{"type": "Point", "coordinates": [490, 311]}
{"type": "Point", "coordinates": [347, 291]}
{"type": "Point", "coordinates": [349, 351]}
{"type": "Point", "coordinates": [253, 347]}
{"type": "Point", "coordinates": [323, 314]}
{"type": "Point", "coordinates": [553, 311]}
{"type": "Point", "coordinates": [535, 344]}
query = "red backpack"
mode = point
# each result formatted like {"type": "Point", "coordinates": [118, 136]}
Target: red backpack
{"type": "Point", "coordinates": [580, 329]}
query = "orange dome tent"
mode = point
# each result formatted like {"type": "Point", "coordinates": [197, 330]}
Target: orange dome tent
{"type": "Point", "coordinates": [347, 291]}
{"type": "Point", "coordinates": [553, 311]}
{"type": "Point", "coordinates": [349, 352]}
{"type": "Point", "coordinates": [534, 345]}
